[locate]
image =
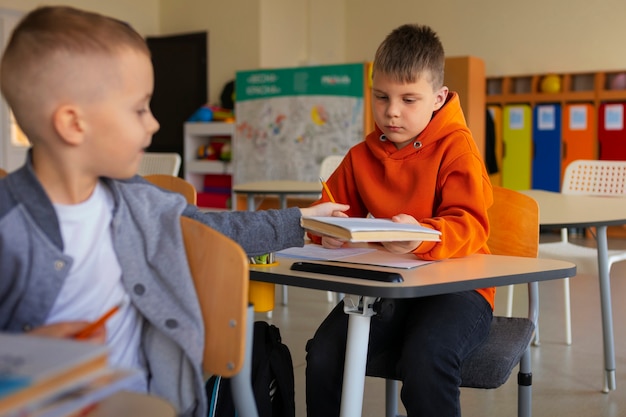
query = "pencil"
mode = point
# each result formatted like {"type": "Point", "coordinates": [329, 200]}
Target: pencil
{"type": "Point", "coordinates": [93, 326]}
{"type": "Point", "coordinates": [328, 193]}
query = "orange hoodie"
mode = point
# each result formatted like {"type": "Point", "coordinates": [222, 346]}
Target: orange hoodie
{"type": "Point", "coordinates": [440, 180]}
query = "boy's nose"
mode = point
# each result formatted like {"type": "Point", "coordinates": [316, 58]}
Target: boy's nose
{"type": "Point", "coordinates": [155, 126]}
{"type": "Point", "coordinates": [392, 110]}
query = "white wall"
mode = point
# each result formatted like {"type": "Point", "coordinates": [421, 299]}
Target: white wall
{"type": "Point", "coordinates": [251, 34]}
{"type": "Point", "coordinates": [234, 34]}
{"type": "Point", "coordinates": [143, 15]}
{"type": "Point", "coordinates": [512, 37]}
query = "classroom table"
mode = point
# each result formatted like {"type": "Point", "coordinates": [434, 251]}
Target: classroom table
{"type": "Point", "coordinates": [560, 210]}
{"type": "Point", "coordinates": [281, 188]}
{"type": "Point", "coordinates": [451, 275]}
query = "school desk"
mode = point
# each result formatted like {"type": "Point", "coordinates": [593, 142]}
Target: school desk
{"type": "Point", "coordinates": [578, 211]}
{"type": "Point", "coordinates": [452, 275]}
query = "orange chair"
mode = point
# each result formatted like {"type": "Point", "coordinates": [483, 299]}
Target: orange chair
{"type": "Point", "coordinates": [514, 220]}
{"type": "Point", "coordinates": [175, 184]}
{"type": "Point", "coordinates": [220, 271]}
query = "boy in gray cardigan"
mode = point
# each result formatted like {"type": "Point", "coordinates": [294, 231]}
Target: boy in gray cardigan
{"type": "Point", "coordinates": [79, 231]}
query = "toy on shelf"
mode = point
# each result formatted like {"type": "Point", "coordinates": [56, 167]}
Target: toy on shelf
{"type": "Point", "coordinates": [619, 81]}
{"type": "Point", "coordinates": [218, 149]}
{"type": "Point", "coordinates": [551, 84]}
{"type": "Point", "coordinates": [208, 113]}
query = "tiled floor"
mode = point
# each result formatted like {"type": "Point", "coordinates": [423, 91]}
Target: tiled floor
{"type": "Point", "coordinates": [567, 380]}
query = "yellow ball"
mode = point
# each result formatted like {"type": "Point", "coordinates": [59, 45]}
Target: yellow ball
{"type": "Point", "coordinates": [551, 84]}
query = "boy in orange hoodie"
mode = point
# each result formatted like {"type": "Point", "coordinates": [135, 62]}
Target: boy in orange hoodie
{"type": "Point", "coordinates": [420, 165]}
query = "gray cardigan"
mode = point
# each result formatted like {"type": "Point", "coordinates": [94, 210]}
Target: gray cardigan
{"type": "Point", "coordinates": [148, 242]}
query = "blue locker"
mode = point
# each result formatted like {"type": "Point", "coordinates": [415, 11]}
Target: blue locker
{"type": "Point", "coordinates": [546, 161]}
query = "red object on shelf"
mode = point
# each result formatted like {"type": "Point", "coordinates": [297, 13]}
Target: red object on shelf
{"type": "Point", "coordinates": [218, 181]}
{"type": "Point", "coordinates": [214, 200]}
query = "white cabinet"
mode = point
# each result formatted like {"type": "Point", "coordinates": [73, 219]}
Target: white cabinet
{"type": "Point", "coordinates": [202, 134]}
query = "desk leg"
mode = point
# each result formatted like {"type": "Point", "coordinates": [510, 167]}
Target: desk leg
{"type": "Point", "coordinates": [356, 355]}
{"type": "Point", "coordinates": [243, 396]}
{"type": "Point", "coordinates": [250, 201]}
{"type": "Point", "coordinates": [607, 315]}
{"type": "Point", "coordinates": [283, 205]}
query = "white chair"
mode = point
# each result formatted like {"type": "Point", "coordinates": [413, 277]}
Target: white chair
{"type": "Point", "coordinates": [329, 164]}
{"type": "Point", "coordinates": [327, 167]}
{"type": "Point", "coordinates": [160, 163]}
{"type": "Point", "coordinates": [586, 177]}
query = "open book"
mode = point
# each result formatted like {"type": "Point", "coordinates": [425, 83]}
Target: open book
{"type": "Point", "coordinates": [356, 229]}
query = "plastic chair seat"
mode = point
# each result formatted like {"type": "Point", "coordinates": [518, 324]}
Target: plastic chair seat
{"type": "Point", "coordinates": [489, 366]}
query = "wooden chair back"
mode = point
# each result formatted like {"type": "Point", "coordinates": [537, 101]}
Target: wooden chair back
{"type": "Point", "coordinates": [514, 224]}
{"type": "Point", "coordinates": [176, 184]}
{"type": "Point", "coordinates": [3, 173]}
{"type": "Point", "coordinates": [220, 271]}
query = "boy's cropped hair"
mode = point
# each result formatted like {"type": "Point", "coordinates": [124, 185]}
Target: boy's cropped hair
{"type": "Point", "coordinates": [409, 52]}
{"type": "Point", "coordinates": [46, 39]}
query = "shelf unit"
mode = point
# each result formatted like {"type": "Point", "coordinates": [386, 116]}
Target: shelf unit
{"type": "Point", "coordinates": [588, 92]}
{"type": "Point", "coordinates": [200, 134]}
{"type": "Point", "coordinates": [590, 87]}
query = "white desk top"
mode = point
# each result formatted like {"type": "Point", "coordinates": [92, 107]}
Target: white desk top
{"type": "Point", "coordinates": [451, 275]}
{"type": "Point", "coordinates": [279, 187]}
{"type": "Point", "coordinates": [570, 210]}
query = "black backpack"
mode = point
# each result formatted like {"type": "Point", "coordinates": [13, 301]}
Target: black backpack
{"type": "Point", "coordinates": [272, 378]}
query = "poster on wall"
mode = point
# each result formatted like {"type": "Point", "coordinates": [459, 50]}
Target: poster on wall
{"type": "Point", "coordinates": [289, 119]}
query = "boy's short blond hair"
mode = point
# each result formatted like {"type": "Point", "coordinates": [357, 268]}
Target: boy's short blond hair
{"type": "Point", "coordinates": [410, 51]}
{"type": "Point", "coordinates": [43, 48]}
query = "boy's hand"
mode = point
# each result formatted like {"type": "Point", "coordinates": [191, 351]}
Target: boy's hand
{"type": "Point", "coordinates": [403, 247]}
{"type": "Point", "coordinates": [331, 242]}
{"type": "Point", "coordinates": [67, 330]}
{"type": "Point", "coordinates": [325, 210]}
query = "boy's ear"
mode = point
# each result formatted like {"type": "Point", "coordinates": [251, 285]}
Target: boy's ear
{"type": "Point", "coordinates": [69, 124]}
{"type": "Point", "coordinates": [440, 98]}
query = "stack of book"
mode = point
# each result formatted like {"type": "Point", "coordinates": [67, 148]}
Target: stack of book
{"type": "Point", "coordinates": [49, 377]}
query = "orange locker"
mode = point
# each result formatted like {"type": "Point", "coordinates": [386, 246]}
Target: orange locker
{"type": "Point", "coordinates": [579, 126]}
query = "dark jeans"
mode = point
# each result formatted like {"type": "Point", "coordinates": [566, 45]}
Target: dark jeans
{"type": "Point", "coordinates": [435, 335]}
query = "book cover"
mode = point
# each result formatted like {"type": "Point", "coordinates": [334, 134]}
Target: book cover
{"type": "Point", "coordinates": [356, 229]}
{"type": "Point", "coordinates": [74, 401]}
{"type": "Point", "coordinates": [33, 367]}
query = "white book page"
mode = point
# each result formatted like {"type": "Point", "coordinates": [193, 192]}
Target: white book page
{"type": "Point", "coordinates": [318, 252]}
{"type": "Point", "coordinates": [364, 256]}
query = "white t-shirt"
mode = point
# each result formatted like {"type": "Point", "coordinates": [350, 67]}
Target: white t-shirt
{"type": "Point", "coordinates": [94, 284]}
